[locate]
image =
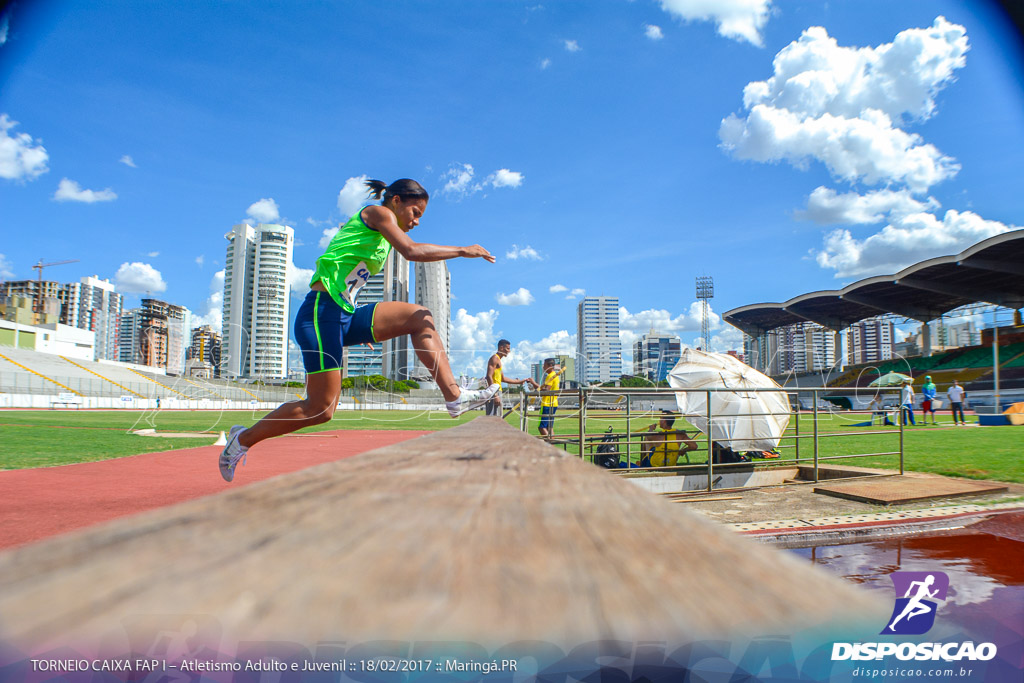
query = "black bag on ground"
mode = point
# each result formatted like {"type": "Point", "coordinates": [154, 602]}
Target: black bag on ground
{"type": "Point", "coordinates": [607, 452]}
{"type": "Point", "coordinates": [724, 455]}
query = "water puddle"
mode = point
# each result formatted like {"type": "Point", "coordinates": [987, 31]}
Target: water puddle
{"type": "Point", "coordinates": [984, 562]}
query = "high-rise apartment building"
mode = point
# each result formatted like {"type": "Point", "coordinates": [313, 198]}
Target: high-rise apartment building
{"type": "Point", "coordinates": [93, 304]}
{"type": "Point", "coordinates": [256, 301]}
{"type": "Point", "coordinates": [434, 291]}
{"type": "Point", "coordinates": [389, 358]}
{"type": "Point", "coordinates": [204, 351]}
{"type": "Point", "coordinates": [804, 347]}
{"type": "Point", "coordinates": [956, 335]}
{"type": "Point", "coordinates": [45, 296]}
{"type": "Point", "coordinates": [155, 335]}
{"type": "Point", "coordinates": [599, 350]}
{"type": "Point", "coordinates": [869, 340]}
{"type": "Point", "coordinates": [655, 354]}
{"type": "Point", "coordinates": [129, 331]}
{"type": "Point", "coordinates": [205, 346]}
{"type": "Point", "coordinates": [761, 353]}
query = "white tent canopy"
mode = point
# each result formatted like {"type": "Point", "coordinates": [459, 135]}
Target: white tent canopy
{"type": "Point", "coordinates": [741, 419]}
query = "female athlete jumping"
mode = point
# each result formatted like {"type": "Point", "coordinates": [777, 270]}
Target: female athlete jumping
{"type": "Point", "coordinates": [329, 319]}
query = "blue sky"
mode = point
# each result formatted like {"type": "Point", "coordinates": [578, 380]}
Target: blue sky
{"type": "Point", "coordinates": [614, 147]}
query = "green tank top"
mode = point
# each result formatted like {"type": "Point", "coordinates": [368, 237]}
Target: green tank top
{"type": "Point", "coordinates": [355, 254]}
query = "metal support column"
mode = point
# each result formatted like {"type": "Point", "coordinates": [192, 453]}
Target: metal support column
{"type": "Point", "coordinates": [583, 419]}
{"type": "Point", "coordinates": [816, 436]}
{"type": "Point", "coordinates": [711, 443]}
{"type": "Point", "coordinates": [629, 430]}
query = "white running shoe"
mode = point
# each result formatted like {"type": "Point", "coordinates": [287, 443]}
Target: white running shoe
{"type": "Point", "coordinates": [469, 399]}
{"type": "Point", "coordinates": [232, 453]}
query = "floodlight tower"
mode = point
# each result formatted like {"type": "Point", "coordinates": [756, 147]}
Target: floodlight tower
{"type": "Point", "coordinates": [705, 292]}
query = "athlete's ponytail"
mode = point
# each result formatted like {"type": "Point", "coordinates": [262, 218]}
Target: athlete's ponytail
{"type": "Point", "coordinates": [404, 188]}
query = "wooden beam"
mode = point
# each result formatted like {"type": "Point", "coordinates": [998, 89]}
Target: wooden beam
{"type": "Point", "coordinates": [478, 533]}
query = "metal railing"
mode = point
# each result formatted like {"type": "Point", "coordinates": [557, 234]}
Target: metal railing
{"type": "Point", "coordinates": [806, 442]}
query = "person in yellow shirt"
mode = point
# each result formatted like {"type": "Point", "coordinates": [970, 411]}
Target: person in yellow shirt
{"type": "Point", "coordinates": [664, 446]}
{"type": "Point", "coordinates": [495, 375]}
{"type": "Point", "coordinates": [549, 404]}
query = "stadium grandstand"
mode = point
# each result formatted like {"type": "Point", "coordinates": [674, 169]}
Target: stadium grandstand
{"type": "Point", "coordinates": [45, 376]}
{"type": "Point", "coordinates": [990, 274]}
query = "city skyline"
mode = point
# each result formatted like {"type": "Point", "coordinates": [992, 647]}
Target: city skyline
{"type": "Point", "coordinates": [590, 150]}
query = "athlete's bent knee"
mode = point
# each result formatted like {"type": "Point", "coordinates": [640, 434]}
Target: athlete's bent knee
{"type": "Point", "coordinates": [319, 413]}
{"type": "Point", "coordinates": [422, 319]}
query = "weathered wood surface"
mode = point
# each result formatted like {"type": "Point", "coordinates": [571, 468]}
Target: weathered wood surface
{"type": "Point", "coordinates": [476, 533]}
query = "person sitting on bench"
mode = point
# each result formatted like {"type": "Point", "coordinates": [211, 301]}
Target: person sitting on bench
{"type": "Point", "coordinates": [664, 446]}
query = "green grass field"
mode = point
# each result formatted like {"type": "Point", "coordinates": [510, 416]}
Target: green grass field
{"type": "Point", "coordinates": [44, 438]}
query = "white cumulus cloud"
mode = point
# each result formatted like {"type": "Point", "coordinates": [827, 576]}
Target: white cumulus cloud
{"type": "Point", "coordinates": [352, 196]}
{"type": "Point", "coordinates": [633, 326]}
{"type": "Point", "coordinates": [520, 297]}
{"type": "Point", "coordinates": [735, 19]}
{"type": "Point", "coordinates": [328, 235]}
{"type": "Point", "coordinates": [826, 207]}
{"type": "Point", "coordinates": [199, 260]}
{"type": "Point", "coordinates": [653, 32]}
{"type": "Point", "coordinates": [472, 342]}
{"type": "Point", "coordinates": [905, 241]}
{"type": "Point", "coordinates": [572, 46]}
{"type": "Point", "coordinates": [21, 157]}
{"type": "Point", "coordinates": [127, 161]}
{"type": "Point", "coordinates": [526, 252]}
{"type": "Point", "coordinates": [545, 63]}
{"type": "Point", "coordinates": [526, 352]}
{"type": "Point", "coordinates": [814, 75]}
{"type": "Point", "coordinates": [576, 292]}
{"type": "Point", "coordinates": [867, 148]}
{"type": "Point", "coordinates": [70, 191]}
{"type": "Point", "coordinates": [505, 178]}
{"type": "Point", "coordinates": [554, 289]}
{"type": "Point", "coordinates": [139, 278]}
{"type": "Point", "coordinates": [264, 211]}
{"type": "Point", "coordinates": [298, 280]}
{"type": "Point", "coordinates": [844, 106]}
{"type": "Point", "coordinates": [460, 179]}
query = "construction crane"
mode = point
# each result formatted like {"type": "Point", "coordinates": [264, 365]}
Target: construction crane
{"type": "Point", "coordinates": [39, 285]}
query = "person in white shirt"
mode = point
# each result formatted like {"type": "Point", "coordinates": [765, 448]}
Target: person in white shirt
{"type": "Point", "coordinates": [907, 403]}
{"type": "Point", "coordinates": [956, 396]}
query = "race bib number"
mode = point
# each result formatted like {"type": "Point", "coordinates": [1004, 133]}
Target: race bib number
{"type": "Point", "coordinates": [355, 281]}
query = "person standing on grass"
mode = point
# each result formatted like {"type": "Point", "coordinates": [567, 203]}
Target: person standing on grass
{"type": "Point", "coordinates": [329, 320]}
{"type": "Point", "coordinates": [928, 392]}
{"type": "Point", "coordinates": [907, 403]}
{"type": "Point", "coordinates": [495, 375]}
{"type": "Point", "coordinates": [956, 395]}
{"type": "Point", "coordinates": [552, 381]}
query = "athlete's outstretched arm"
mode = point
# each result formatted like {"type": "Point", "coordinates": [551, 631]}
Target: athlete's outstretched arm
{"type": "Point", "coordinates": [383, 221]}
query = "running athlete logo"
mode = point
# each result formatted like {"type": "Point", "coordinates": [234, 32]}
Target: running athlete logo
{"type": "Point", "coordinates": [914, 613]}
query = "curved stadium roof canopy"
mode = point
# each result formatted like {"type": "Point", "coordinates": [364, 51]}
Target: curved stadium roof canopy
{"type": "Point", "coordinates": [991, 271]}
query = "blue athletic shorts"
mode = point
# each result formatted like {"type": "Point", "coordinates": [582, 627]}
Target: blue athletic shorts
{"type": "Point", "coordinates": [547, 417]}
{"type": "Point", "coordinates": [322, 328]}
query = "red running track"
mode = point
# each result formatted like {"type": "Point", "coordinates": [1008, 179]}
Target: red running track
{"type": "Point", "coordinates": [46, 501]}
